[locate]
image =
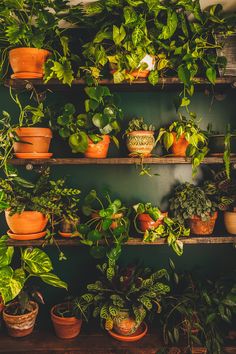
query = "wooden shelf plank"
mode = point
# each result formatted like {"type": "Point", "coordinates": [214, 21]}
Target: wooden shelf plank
{"type": "Point", "coordinates": [168, 160]}
{"type": "Point", "coordinates": [139, 83]}
{"type": "Point", "coordinates": [45, 342]}
{"type": "Point", "coordinates": [192, 240]}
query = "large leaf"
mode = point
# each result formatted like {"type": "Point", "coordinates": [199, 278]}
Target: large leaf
{"type": "Point", "coordinates": [53, 280]}
{"type": "Point", "coordinates": [37, 261]}
{"type": "Point", "coordinates": [78, 142]}
{"type": "Point", "coordinates": [6, 253]}
{"type": "Point", "coordinates": [118, 34]}
{"type": "Point", "coordinates": [11, 283]}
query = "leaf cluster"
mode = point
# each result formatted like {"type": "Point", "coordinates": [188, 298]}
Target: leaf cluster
{"type": "Point", "coordinates": [137, 124]}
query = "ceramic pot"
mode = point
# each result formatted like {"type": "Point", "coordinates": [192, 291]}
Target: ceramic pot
{"type": "Point", "coordinates": [124, 324]}
{"type": "Point", "coordinates": [28, 63]}
{"type": "Point", "coordinates": [149, 60]}
{"type": "Point", "coordinates": [179, 146]}
{"type": "Point", "coordinates": [200, 227]}
{"type": "Point", "coordinates": [115, 217]}
{"type": "Point", "coordinates": [69, 226]}
{"type": "Point", "coordinates": [99, 150]}
{"type": "Point", "coordinates": [37, 139]}
{"type": "Point", "coordinates": [216, 144]}
{"type": "Point", "coordinates": [147, 223]}
{"type": "Point", "coordinates": [228, 50]}
{"type": "Point", "coordinates": [141, 142]}
{"type": "Point", "coordinates": [230, 221]}
{"type": "Point", "coordinates": [20, 325]}
{"type": "Point", "coordinates": [65, 327]}
{"type": "Point", "coordinates": [28, 222]}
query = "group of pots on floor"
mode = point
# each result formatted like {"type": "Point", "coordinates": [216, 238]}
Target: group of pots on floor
{"type": "Point", "coordinates": [101, 121]}
{"type": "Point", "coordinates": [186, 309]}
{"type": "Point", "coordinates": [47, 207]}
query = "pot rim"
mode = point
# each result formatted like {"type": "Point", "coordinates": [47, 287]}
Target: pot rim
{"type": "Point", "coordinates": [34, 132]}
{"type": "Point", "coordinates": [34, 311]}
{"type": "Point", "coordinates": [25, 212]}
{"type": "Point", "coordinates": [31, 48]}
{"type": "Point", "coordinates": [212, 217]}
{"type": "Point", "coordinates": [147, 217]}
{"type": "Point", "coordinates": [143, 132]}
{"type": "Point", "coordinates": [65, 319]}
{"type": "Point", "coordinates": [105, 139]}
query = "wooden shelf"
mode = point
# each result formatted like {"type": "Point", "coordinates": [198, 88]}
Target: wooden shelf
{"type": "Point", "coordinates": [192, 240]}
{"type": "Point", "coordinates": [45, 342]}
{"type": "Point", "coordinates": [116, 161]}
{"type": "Point", "coordinates": [170, 82]}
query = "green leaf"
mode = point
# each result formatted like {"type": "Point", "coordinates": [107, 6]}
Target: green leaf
{"type": "Point", "coordinates": [130, 15]}
{"type": "Point", "coordinates": [118, 34]}
{"type": "Point", "coordinates": [11, 283]}
{"type": "Point", "coordinates": [78, 142]}
{"type": "Point", "coordinates": [137, 36]}
{"type": "Point", "coordinates": [153, 77]}
{"type": "Point", "coordinates": [53, 280]}
{"type": "Point", "coordinates": [211, 75]}
{"type": "Point", "coordinates": [184, 74]}
{"type": "Point", "coordinates": [168, 140]}
{"type": "Point", "coordinates": [94, 235]}
{"type": "Point", "coordinates": [37, 260]}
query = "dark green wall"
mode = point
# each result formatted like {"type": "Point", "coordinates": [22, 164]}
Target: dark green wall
{"type": "Point", "coordinates": [124, 182]}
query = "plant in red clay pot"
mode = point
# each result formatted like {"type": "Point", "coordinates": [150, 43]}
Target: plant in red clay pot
{"type": "Point", "coordinates": [67, 317]}
{"type": "Point", "coordinates": [191, 205]}
{"type": "Point", "coordinates": [147, 216]}
{"type": "Point", "coordinates": [20, 311]}
{"type": "Point", "coordinates": [184, 138]}
{"type": "Point", "coordinates": [122, 298]}
{"type": "Point", "coordinates": [90, 132]}
{"type": "Point", "coordinates": [108, 223]}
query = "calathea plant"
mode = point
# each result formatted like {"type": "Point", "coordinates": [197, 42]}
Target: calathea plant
{"type": "Point", "coordinates": [108, 223]}
{"type": "Point", "coordinates": [34, 263]}
{"type": "Point", "coordinates": [132, 290]}
{"type": "Point", "coordinates": [185, 138]}
{"type": "Point", "coordinates": [102, 116]}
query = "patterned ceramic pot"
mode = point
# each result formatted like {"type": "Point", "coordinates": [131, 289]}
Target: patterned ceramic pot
{"type": "Point", "coordinates": [124, 324]}
{"type": "Point", "coordinates": [200, 227]}
{"type": "Point", "coordinates": [140, 142]}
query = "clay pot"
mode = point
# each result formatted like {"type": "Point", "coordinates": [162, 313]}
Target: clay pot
{"type": "Point", "coordinates": [65, 327]}
{"type": "Point", "coordinates": [179, 146]}
{"type": "Point", "coordinates": [20, 325]}
{"type": "Point", "coordinates": [147, 223]}
{"type": "Point", "coordinates": [216, 144]}
{"type": "Point", "coordinates": [99, 150]}
{"type": "Point", "coordinates": [200, 227]}
{"type": "Point", "coordinates": [38, 138]}
{"type": "Point", "coordinates": [198, 350]}
{"type": "Point", "coordinates": [28, 63]}
{"type": "Point", "coordinates": [115, 217]}
{"type": "Point", "coordinates": [125, 325]}
{"type": "Point", "coordinates": [140, 142]}
{"type": "Point", "coordinates": [147, 59]}
{"type": "Point", "coordinates": [230, 221]}
{"type": "Point", "coordinates": [69, 226]}
{"type": "Point", "coordinates": [28, 222]}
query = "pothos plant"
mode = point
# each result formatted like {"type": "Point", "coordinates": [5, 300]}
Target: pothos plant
{"type": "Point", "coordinates": [45, 195]}
{"type": "Point", "coordinates": [189, 129]}
{"type": "Point", "coordinates": [33, 263]}
{"type": "Point", "coordinates": [37, 25]}
{"type": "Point", "coordinates": [108, 223]}
{"type": "Point", "coordinates": [137, 290]}
{"type": "Point", "coordinates": [199, 311]}
{"type": "Point", "coordinates": [131, 29]}
{"type": "Point", "coordinates": [102, 116]}
{"type": "Point", "coordinates": [169, 228]}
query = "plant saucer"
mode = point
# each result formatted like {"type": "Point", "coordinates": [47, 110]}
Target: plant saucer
{"type": "Point", "coordinates": [68, 234]}
{"type": "Point", "coordinates": [26, 75]}
{"type": "Point", "coordinates": [33, 155]}
{"type": "Point", "coordinates": [26, 237]}
{"type": "Point", "coordinates": [139, 334]}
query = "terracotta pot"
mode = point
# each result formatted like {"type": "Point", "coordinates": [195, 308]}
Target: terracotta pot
{"type": "Point", "coordinates": [115, 217]}
{"type": "Point", "coordinates": [124, 324]}
{"type": "Point", "coordinates": [38, 138]}
{"type": "Point", "coordinates": [179, 146]}
{"type": "Point", "coordinates": [200, 227]}
{"type": "Point", "coordinates": [147, 59]}
{"type": "Point", "coordinates": [99, 150]}
{"type": "Point", "coordinates": [28, 62]}
{"type": "Point", "coordinates": [69, 226]}
{"type": "Point", "coordinates": [141, 142]}
{"type": "Point", "coordinates": [198, 350]}
{"type": "Point", "coordinates": [28, 222]}
{"type": "Point", "coordinates": [21, 325]}
{"type": "Point", "coordinates": [230, 221]}
{"type": "Point", "coordinates": [65, 327]}
{"type": "Point", "coordinates": [146, 222]}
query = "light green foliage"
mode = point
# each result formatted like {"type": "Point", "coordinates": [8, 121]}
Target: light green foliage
{"type": "Point", "coordinates": [137, 124]}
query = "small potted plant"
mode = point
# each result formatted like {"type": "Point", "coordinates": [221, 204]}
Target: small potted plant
{"type": "Point", "coordinates": [184, 138]}
{"type": "Point", "coordinates": [90, 132]}
{"type": "Point", "coordinates": [67, 317]}
{"type": "Point", "coordinates": [108, 222]}
{"type": "Point", "coordinates": [122, 298]}
{"type": "Point", "coordinates": [148, 217]}
{"type": "Point", "coordinates": [230, 220]}
{"type": "Point", "coordinates": [20, 312]}
{"type": "Point", "coordinates": [140, 137]}
{"type": "Point", "coordinates": [190, 204]}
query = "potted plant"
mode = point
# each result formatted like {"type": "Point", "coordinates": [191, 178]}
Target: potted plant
{"type": "Point", "coordinates": [29, 207]}
{"type": "Point", "coordinates": [20, 311]}
{"type": "Point", "coordinates": [148, 217]}
{"type": "Point", "coordinates": [67, 317]}
{"type": "Point", "coordinates": [108, 223]}
{"type": "Point", "coordinates": [90, 132]}
{"type": "Point", "coordinates": [140, 137]}
{"type": "Point", "coordinates": [122, 298]}
{"type": "Point", "coordinates": [185, 138]}
{"type": "Point", "coordinates": [190, 204]}
{"type": "Point", "coordinates": [31, 35]}
{"type": "Point", "coordinates": [230, 220]}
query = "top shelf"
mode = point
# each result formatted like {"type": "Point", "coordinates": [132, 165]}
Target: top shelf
{"type": "Point", "coordinates": [143, 84]}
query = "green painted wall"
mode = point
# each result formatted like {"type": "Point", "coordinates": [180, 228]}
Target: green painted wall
{"type": "Point", "coordinates": [124, 182]}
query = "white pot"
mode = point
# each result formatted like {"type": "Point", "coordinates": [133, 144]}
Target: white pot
{"type": "Point", "coordinates": [228, 5]}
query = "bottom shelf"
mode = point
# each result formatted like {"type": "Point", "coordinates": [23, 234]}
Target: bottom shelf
{"type": "Point", "coordinates": [45, 342]}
